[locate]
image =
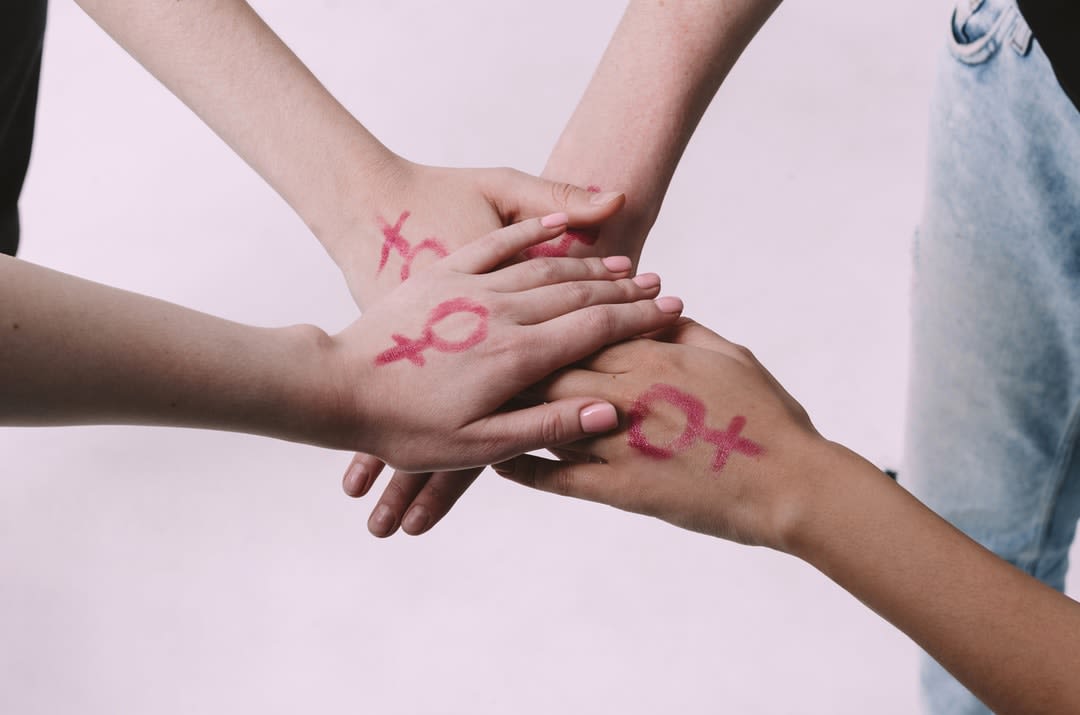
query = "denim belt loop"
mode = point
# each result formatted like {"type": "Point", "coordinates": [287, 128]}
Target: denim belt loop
{"type": "Point", "coordinates": [1021, 36]}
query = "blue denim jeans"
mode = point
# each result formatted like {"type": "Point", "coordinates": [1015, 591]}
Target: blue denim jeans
{"type": "Point", "coordinates": [993, 427]}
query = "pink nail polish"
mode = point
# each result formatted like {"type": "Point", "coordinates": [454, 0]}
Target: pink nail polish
{"type": "Point", "coordinates": [647, 280]}
{"type": "Point", "coordinates": [600, 417]}
{"type": "Point", "coordinates": [554, 220]}
{"type": "Point", "coordinates": [617, 264]}
{"type": "Point", "coordinates": [669, 304]}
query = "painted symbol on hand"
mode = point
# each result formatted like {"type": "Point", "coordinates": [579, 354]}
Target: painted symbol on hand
{"type": "Point", "coordinates": [725, 442]}
{"type": "Point", "coordinates": [412, 350]}
{"type": "Point", "coordinates": [395, 241]}
{"type": "Point", "coordinates": [562, 247]}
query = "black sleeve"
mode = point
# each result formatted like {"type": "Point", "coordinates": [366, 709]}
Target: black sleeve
{"type": "Point", "coordinates": [22, 29]}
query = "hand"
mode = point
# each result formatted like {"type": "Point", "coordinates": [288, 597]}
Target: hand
{"type": "Point", "coordinates": [623, 234]}
{"type": "Point", "coordinates": [424, 213]}
{"type": "Point", "coordinates": [432, 212]}
{"type": "Point", "coordinates": [462, 332]}
{"type": "Point", "coordinates": [417, 502]}
{"type": "Point", "coordinates": [710, 441]}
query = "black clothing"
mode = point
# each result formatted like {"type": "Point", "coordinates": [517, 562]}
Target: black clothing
{"type": "Point", "coordinates": [22, 30]}
{"type": "Point", "coordinates": [1056, 25]}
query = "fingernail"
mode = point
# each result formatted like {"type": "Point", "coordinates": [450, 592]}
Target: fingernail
{"type": "Point", "coordinates": [606, 197]}
{"type": "Point", "coordinates": [504, 468]}
{"type": "Point", "coordinates": [554, 220]}
{"type": "Point", "coordinates": [617, 264]}
{"type": "Point", "coordinates": [416, 520]}
{"type": "Point", "coordinates": [670, 304]}
{"type": "Point", "coordinates": [647, 280]}
{"type": "Point", "coordinates": [600, 417]}
{"type": "Point", "coordinates": [356, 480]}
{"type": "Point", "coordinates": [381, 522]}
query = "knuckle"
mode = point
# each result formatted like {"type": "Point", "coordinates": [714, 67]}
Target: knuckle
{"type": "Point", "coordinates": [744, 351]}
{"type": "Point", "coordinates": [561, 192]}
{"type": "Point", "coordinates": [602, 320]}
{"type": "Point", "coordinates": [579, 293]}
{"type": "Point", "coordinates": [629, 289]}
{"type": "Point", "coordinates": [552, 428]}
{"type": "Point", "coordinates": [543, 269]}
{"type": "Point", "coordinates": [508, 342]}
{"type": "Point", "coordinates": [563, 481]}
{"type": "Point", "coordinates": [596, 267]}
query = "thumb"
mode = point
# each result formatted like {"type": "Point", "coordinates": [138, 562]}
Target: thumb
{"type": "Point", "coordinates": [542, 426]}
{"type": "Point", "coordinates": [519, 195]}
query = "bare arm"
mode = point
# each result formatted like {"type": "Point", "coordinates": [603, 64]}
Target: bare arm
{"type": "Point", "coordinates": [1008, 637]}
{"type": "Point", "coordinates": [221, 59]}
{"type": "Point", "coordinates": [656, 79]}
{"type": "Point", "coordinates": [229, 67]}
{"type": "Point", "coordinates": [750, 467]}
{"type": "Point", "coordinates": [76, 352]}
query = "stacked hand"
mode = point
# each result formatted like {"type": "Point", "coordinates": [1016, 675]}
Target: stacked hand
{"type": "Point", "coordinates": [430, 212]}
{"type": "Point", "coordinates": [465, 327]}
{"type": "Point", "coordinates": [709, 440]}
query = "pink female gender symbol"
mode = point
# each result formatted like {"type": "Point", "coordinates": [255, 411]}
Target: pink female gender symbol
{"type": "Point", "coordinates": [726, 442]}
{"type": "Point", "coordinates": [394, 240]}
{"type": "Point", "coordinates": [562, 248]}
{"type": "Point", "coordinates": [412, 350]}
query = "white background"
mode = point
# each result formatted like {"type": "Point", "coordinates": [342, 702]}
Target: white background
{"type": "Point", "coordinates": [162, 571]}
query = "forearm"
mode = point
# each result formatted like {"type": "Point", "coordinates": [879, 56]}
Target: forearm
{"type": "Point", "coordinates": [655, 81]}
{"type": "Point", "coordinates": [76, 352]}
{"type": "Point", "coordinates": [1006, 636]}
{"type": "Point", "coordinates": [223, 61]}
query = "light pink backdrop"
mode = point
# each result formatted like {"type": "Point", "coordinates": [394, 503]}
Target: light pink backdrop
{"type": "Point", "coordinates": [149, 570]}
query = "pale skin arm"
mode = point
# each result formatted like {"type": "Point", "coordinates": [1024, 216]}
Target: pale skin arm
{"type": "Point", "coordinates": [232, 70]}
{"type": "Point", "coordinates": [76, 352]}
{"type": "Point", "coordinates": [657, 77]}
{"type": "Point", "coordinates": [1006, 636]}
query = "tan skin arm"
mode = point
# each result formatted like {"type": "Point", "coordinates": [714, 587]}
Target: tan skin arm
{"type": "Point", "coordinates": [1006, 636]}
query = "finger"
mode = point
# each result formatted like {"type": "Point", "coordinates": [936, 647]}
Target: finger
{"type": "Point", "coordinates": [582, 480]}
{"type": "Point", "coordinates": [571, 337]}
{"type": "Point", "coordinates": [578, 382]}
{"type": "Point", "coordinates": [517, 194]}
{"type": "Point", "coordinates": [548, 271]}
{"type": "Point", "coordinates": [435, 499]}
{"type": "Point", "coordinates": [399, 493]}
{"type": "Point", "coordinates": [499, 246]}
{"type": "Point", "coordinates": [361, 474]}
{"type": "Point", "coordinates": [542, 304]}
{"type": "Point", "coordinates": [542, 426]}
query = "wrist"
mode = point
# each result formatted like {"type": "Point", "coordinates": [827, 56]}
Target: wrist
{"type": "Point", "coordinates": [833, 485]}
{"type": "Point", "coordinates": [369, 180]}
{"type": "Point", "coordinates": [644, 194]}
{"type": "Point", "coordinates": [307, 398]}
